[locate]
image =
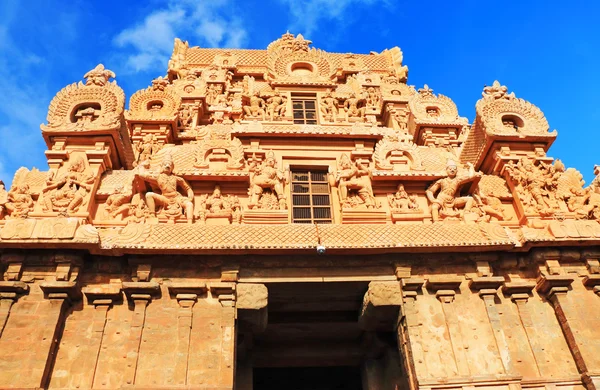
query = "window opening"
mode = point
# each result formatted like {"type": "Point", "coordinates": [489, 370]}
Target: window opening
{"type": "Point", "coordinates": [311, 199]}
{"type": "Point", "coordinates": [305, 110]}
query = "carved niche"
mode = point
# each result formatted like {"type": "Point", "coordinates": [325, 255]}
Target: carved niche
{"type": "Point", "coordinates": [397, 153]}
{"type": "Point", "coordinates": [501, 113]}
{"type": "Point", "coordinates": [96, 105]}
{"type": "Point", "coordinates": [291, 61]}
{"type": "Point", "coordinates": [157, 103]}
{"type": "Point", "coordinates": [220, 151]}
{"type": "Point", "coordinates": [216, 208]}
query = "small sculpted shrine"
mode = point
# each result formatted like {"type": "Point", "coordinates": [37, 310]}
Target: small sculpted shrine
{"type": "Point", "coordinates": [291, 218]}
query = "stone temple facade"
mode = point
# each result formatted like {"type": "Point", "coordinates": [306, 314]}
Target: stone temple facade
{"type": "Point", "coordinates": [295, 219]}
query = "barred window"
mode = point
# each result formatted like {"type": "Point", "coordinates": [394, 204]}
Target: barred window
{"type": "Point", "coordinates": [305, 110]}
{"type": "Point", "coordinates": [311, 200]}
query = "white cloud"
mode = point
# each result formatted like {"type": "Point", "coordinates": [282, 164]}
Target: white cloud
{"type": "Point", "coordinates": [204, 24]}
{"type": "Point", "coordinates": [308, 15]}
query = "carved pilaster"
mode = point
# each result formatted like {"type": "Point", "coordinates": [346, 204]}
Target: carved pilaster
{"type": "Point", "coordinates": [139, 294]}
{"type": "Point", "coordinates": [488, 286]}
{"type": "Point", "coordinates": [9, 293]}
{"type": "Point", "coordinates": [445, 291]}
{"type": "Point", "coordinates": [187, 295]}
{"type": "Point", "coordinates": [225, 293]}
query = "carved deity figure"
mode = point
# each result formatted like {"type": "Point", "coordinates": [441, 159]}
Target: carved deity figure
{"type": "Point", "coordinates": [147, 148]}
{"type": "Point", "coordinates": [256, 108]}
{"type": "Point", "coordinates": [186, 116]}
{"type": "Point", "coordinates": [352, 107]}
{"type": "Point", "coordinates": [538, 184]}
{"type": "Point", "coordinates": [212, 92]}
{"type": "Point", "coordinates": [400, 115]}
{"type": "Point", "coordinates": [354, 177]}
{"type": "Point", "coordinates": [488, 206]}
{"type": "Point", "coordinates": [448, 203]}
{"type": "Point", "coordinates": [17, 202]}
{"type": "Point", "coordinates": [276, 105]}
{"type": "Point", "coordinates": [329, 106]}
{"type": "Point", "coordinates": [217, 205]}
{"type": "Point", "coordinates": [171, 201]}
{"type": "Point", "coordinates": [265, 177]}
{"type": "Point", "coordinates": [400, 201]}
{"type": "Point", "coordinates": [372, 97]}
{"type": "Point", "coordinates": [65, 192]}
{"type": "Point", "coordinates": [118, 202]}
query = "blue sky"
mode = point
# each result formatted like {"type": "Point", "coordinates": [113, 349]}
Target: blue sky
{"type": "Point", "coordinates": [545, 51]}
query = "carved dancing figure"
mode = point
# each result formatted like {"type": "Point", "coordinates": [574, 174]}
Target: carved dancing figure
{"type": "Point", "coordinates": [266, 176]}
{"type": "Point", "coordinates": [329, 107]}
{"type": "Point", "coordinates": [256, 108]}
{"type": "Point", "coordinates": [354, 177]}
{"type": "Point", "coordinates": [447, 203]}
{"type": "Point", "coordinates": [66, 192]}
{"type": "Point", "coordinates": [533, 180]}
{"type": "Point", "coordinates": [276, 105]}
{"type": "Point", "coordinates": [169, 198]}
{"type": "Point", "coordinates": [147, 148]}
{"type": "Point", "coordinates": [186, 117]}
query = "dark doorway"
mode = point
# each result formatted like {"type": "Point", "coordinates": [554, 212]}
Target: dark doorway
{"type": "Point", "coordinates": [307, 378]}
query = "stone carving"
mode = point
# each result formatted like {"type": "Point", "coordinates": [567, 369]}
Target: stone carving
{"type": "Point", "coordinates": [354, 108]}
{"type": "Point", "coordinates": [448, 203]}
{"type": "Point", "coordinates": [400, 117]}
{"type": "Point", "coordinates": [537, 185]}
{"type": "Point", "coordinates": [220, 146]}
{"type": "Point", "coordinates": [276, 105]}
{"type": "Point", "coordinates": [178, 65]}
{"type": "Point", "coordinates": [218, 206]}
{"type": "Point", "coordinates": [146, 148]}
{"type": "Point", "coordinates": [373, 98]}
{"type": "Point", "coordinates": [354, 183]}
{"type": "Point", "coordinates": [329, 106]}
{"type": "Point", "coordinates": [499, 112]}
{"type": "Point", "coordinates": [266, 184]}
{"type": "Point", "coordinates": [119, 202]}
{"type": "Point", "coordinates": [97, 104]}
{"type": "Point", "coordinates": [66, 190]}
{"type": "Point", "coordinates": [156, 103]}
{"type": "Point", "coordinates": [16, 203]}
{"type": "Point", "coordinates": [396, 57]}
{"type": "Point", "coordinates": [488, 206]}
{"type": "Point", "coordinates": [173, 204]}
{"type": "Point", "coordinates": [186, 116]}
{"type": "Point", "coordinates": [256, 107]}
{"type": "Point", "coordinates": [397, 152]}
{"type": "Point", "coordinates": [400, 202]}
{"type": "Point", "coordinates": [426, 107]}
{"type": "Point", "coordinates": [213, 90]}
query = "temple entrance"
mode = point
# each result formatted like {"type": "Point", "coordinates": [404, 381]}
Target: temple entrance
{"type": "Point", "coordinates": [307, 378]}
{"type": "Point", "coordinates": [314, 339]}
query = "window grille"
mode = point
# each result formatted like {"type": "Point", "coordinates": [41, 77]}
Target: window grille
{"type": "Point", "coordinates": [305, 110]}
{"type": "Point", "coordinates": [311, 199]}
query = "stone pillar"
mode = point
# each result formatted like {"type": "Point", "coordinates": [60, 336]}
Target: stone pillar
{"type": "Point", "coordinates": [186, 295]}
{"type": "Point", "coordinates": [9, 293]}
{"type": "Point", "coordinates": [140, 294]}
{"type": "Point", "coordinates": [411, 339]}
{"type": "Point", "coordinates": [488, 286]}
{"type": "Point", "coordinates": [445, 291]}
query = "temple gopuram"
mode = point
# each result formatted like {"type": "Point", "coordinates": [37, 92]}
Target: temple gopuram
{"type": "Point", "coordinates": [295, 219]}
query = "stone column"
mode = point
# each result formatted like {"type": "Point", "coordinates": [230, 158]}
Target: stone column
{"type": "Point", "coordinates": [186, 295]}
{"type": "Point", "coordinates": [488, 286]}
{"type": "Point", "coordinates": [9, 293]}
{"type": "Point", "coordinates": [445, 291]}
{"type": "Point", "coordinates": [140, 294]}
{"type": "Point", "coordinates": [411, 341]}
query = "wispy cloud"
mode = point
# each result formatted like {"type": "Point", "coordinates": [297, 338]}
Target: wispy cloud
{"type": "Point", "coordinates": [308, 15]}
{"type": "Point", "coordinates": [205, 23]}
